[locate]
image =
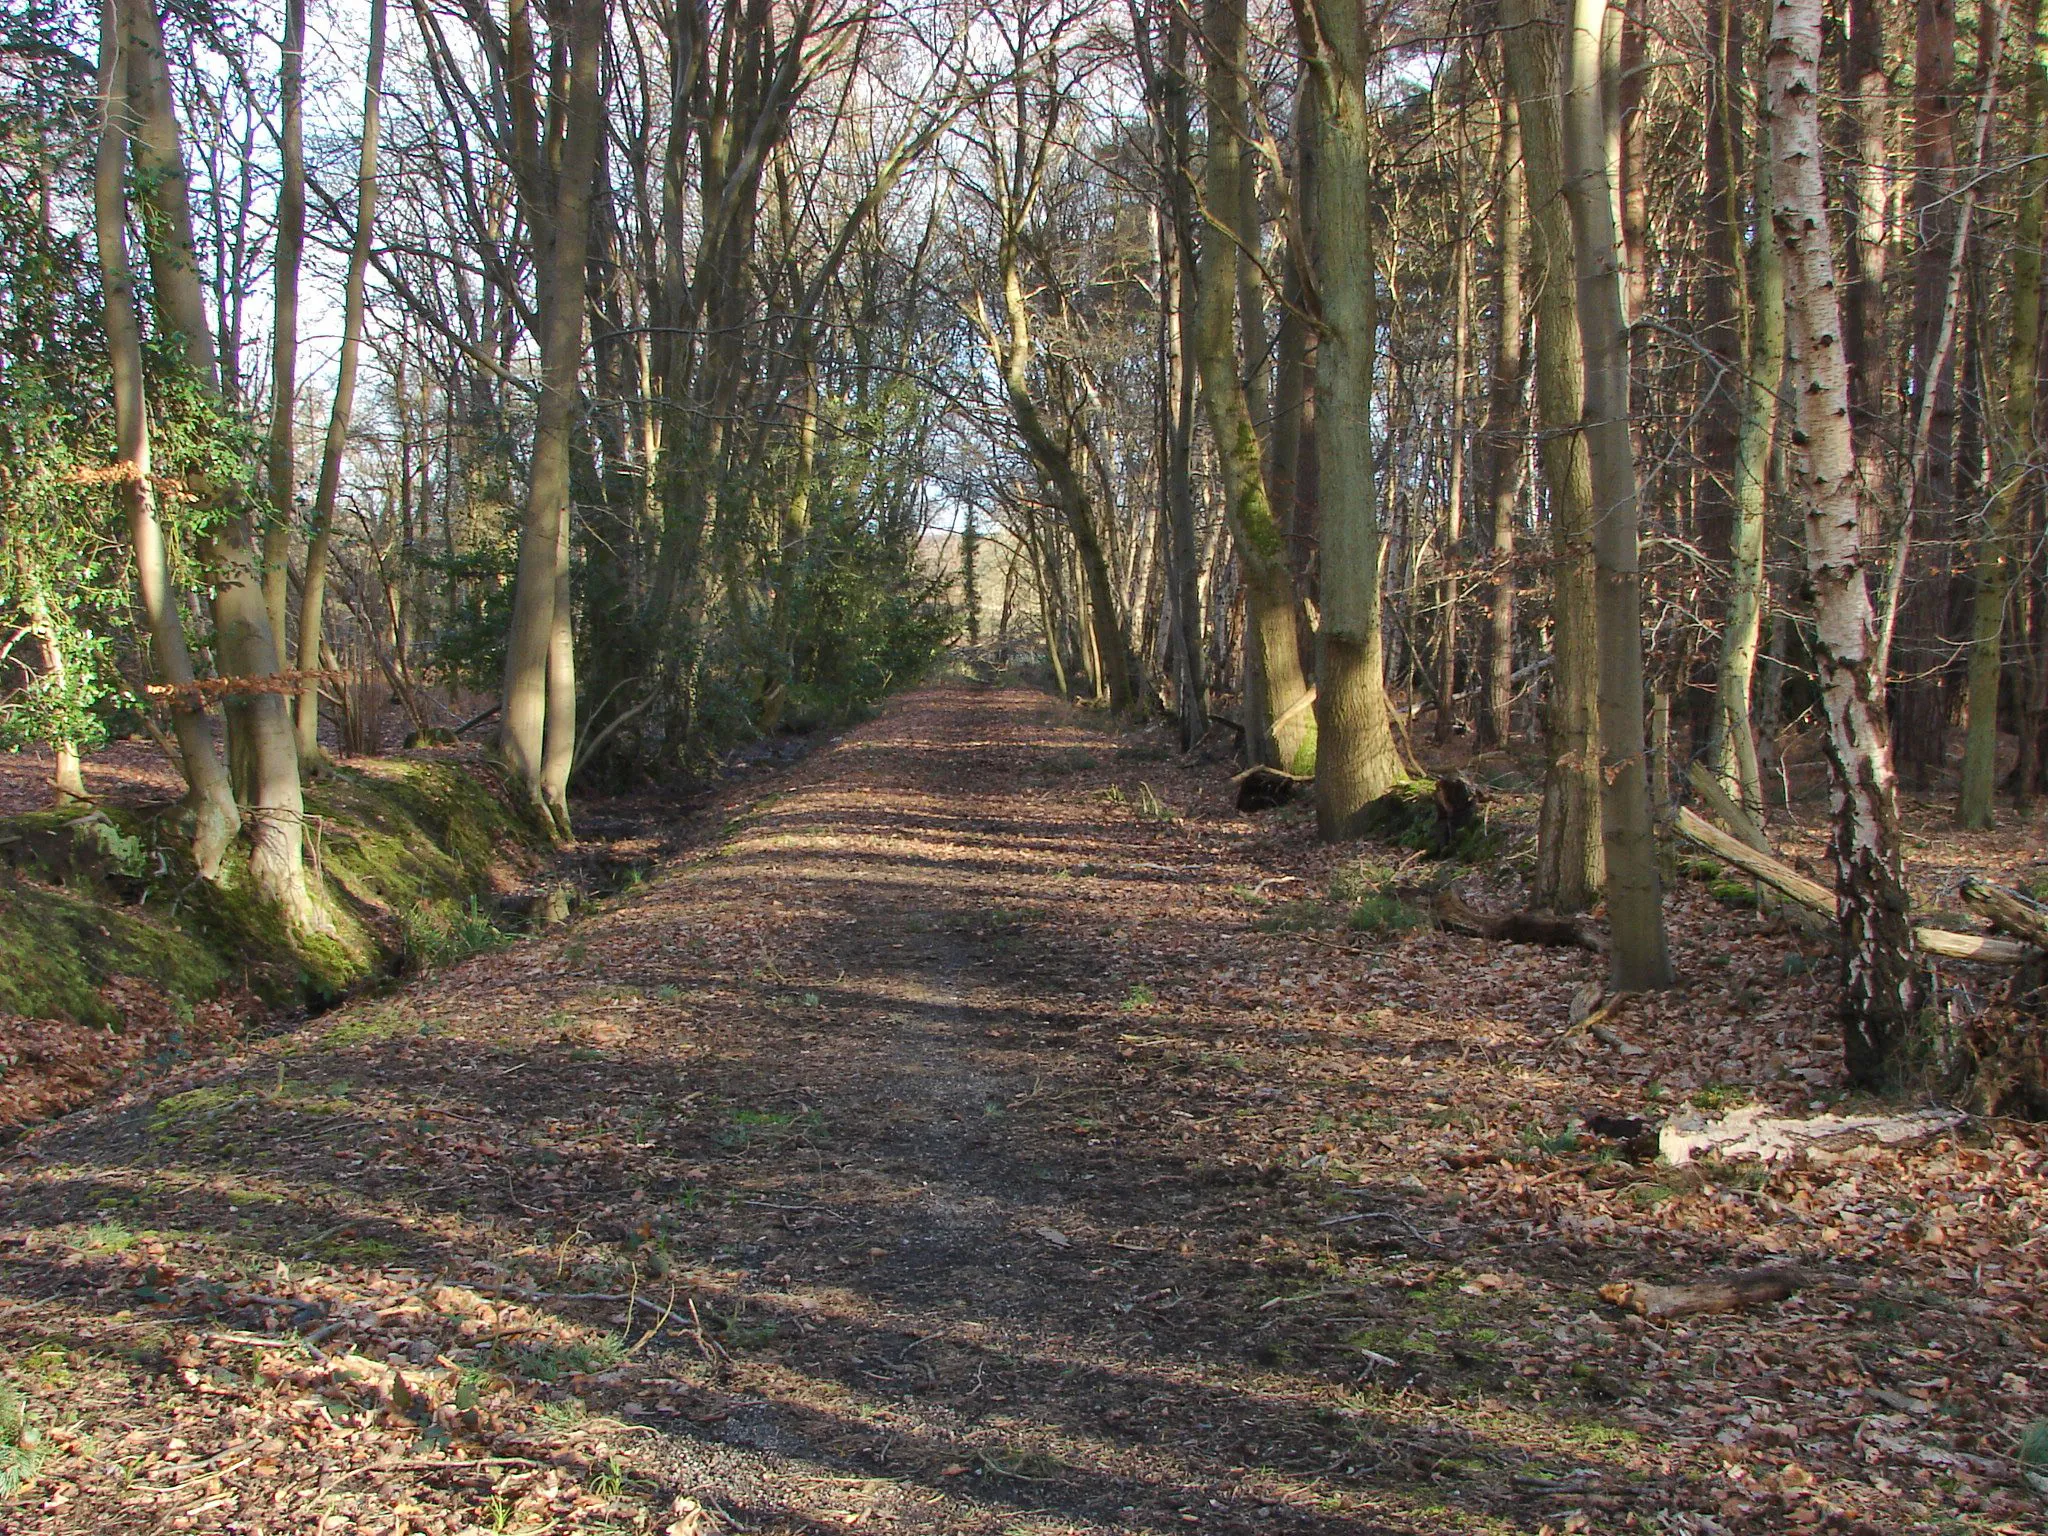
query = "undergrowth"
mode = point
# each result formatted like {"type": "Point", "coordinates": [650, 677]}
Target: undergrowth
{"type": "Point", "coordinates": [402, 851]}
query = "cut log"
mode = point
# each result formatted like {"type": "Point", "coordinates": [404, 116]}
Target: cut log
{"type": "Point", "coordinates": [1458, 915]}
{"type": "Point", "coordinates": [1661, 1303]}
{"type": "Point", "coordinates": [2007, 910]}
{"type": "Point", "coordinates": [1755, 1132]}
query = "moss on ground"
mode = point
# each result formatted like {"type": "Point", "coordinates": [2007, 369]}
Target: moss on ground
{"type": "Point", "coordinates": [88, 897]}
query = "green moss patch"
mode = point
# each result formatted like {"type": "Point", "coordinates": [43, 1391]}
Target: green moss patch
{"type": "Point", "coordinates": [402, 848]}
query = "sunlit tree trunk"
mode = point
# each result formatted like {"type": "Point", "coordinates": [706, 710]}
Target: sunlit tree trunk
{"type": "Point", "coordinates": [1055, 458]}
{"type": "Point", "coordinates": [313, 594]}
{"type": "Point", "coordinates": [1570, 858]}
{"type": "Point", "coordinates": [1356, 759]}
{"type": "Point", "coordinates": [208, 794]}
{"type": "Point", "coordinates": [1884, 990]}
{"type": "Point", "coordinates": [280, 460]}
{"type": "Point", "coordinates": [67, 774]}
{"type": "Point", "coordinates": [1276, 731]}
{"type": "Point", "coordinates": [558, 206]}
{"type": "Point", "coordinates": [1635, 912]}
{"type": "Point", "coordinates": [243, 641]}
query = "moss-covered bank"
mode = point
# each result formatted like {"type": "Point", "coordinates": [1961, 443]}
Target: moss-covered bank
{"type": "Point", "coordinates": [400, 846]}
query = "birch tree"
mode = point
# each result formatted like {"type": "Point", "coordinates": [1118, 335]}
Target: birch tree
{"type": "Point", "coordinates": [1884, 990]}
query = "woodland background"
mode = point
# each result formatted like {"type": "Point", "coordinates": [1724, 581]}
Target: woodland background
{"type": "Point", "coordinates": [1614, 382]}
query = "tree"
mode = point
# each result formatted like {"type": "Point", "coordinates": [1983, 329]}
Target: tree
{"type": "Point", "coordinates": [1635, 910]}
{"type": "Point", "coordinates": [355, 305]}
{"type": "Point", "coordinates": [1997, 558]}
{"type": "Point", "coordinates": [1503, 460]}
{"type": "Point", "coordinates": [537, 731]}
{"type": "Point", "coordinates": [1731, 742]}
{"type": "Point", "coordinates": [244, 642]}
{"type": "Point", "coordinates": [1356, 760]}
{"type": "Point", "coordinates": [1277, 721]}
{"type": "Point", "coordinates": [1570, 858]}
{"type": "Point", "coordinates": [1883, 985]}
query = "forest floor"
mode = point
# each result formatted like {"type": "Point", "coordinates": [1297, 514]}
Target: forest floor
{"type": "Point", "coordinates": [988, 1130]}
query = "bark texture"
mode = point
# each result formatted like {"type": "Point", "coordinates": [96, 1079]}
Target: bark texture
{"type": "Point", "coordinates": [1502, 456]}
{"type": "Point", "coordinates": [1884, 989]}
{"type": "Point", "coordinates": [1997, 557]}
{"type": "Point", "coordinates": [1356, 759]}
{"type": "Point", "coordinates": [1570, 860]}
{"type": "Point", "coordinates": [244, 644]}
{"type": "Point", "coordinates": [1635, 910]}
{"type": "Point", "coordinates": [557, 200]}
{"type": "Point", "coordinates": [1275, 679]}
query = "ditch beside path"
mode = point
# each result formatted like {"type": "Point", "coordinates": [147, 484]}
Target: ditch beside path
{"type": "Point", "coordinates": [942, 1148]}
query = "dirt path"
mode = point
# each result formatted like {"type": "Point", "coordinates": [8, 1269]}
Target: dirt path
{"type": "Point", "coordinates": [902, 1160]}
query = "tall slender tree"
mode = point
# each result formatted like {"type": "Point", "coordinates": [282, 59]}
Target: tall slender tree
{"type": "Point", "coordinates": [1635, 910]}
{"type": "Point", "coordinates": [1884, 988]}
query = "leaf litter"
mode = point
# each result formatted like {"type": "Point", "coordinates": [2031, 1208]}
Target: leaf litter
{"type": "Point", "coordinates": [945, 1143]}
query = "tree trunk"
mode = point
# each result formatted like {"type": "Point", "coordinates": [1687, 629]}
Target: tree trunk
{"type": "Point", "coordinates": [559, 217]}
{"type": "Point", "coordinates": [208, 794]}
{"type": "Point", "coordinates": [1731, 747]}
{"type": "Point", "coordinates": [243, 641]}
{"type": "Point", "coordinates": [1274, 679]}
{"type": "Point", "coordinates": [1997, 558]}
{"type": "Point", "coordinates": [1635, 903]}
{"type": "Point", "coordinates": [281, 460]}
{"type": "Point", "coordinates": [1724, 341]}
{"type": "Point", "coordinates": [1503, 457]}
{"type": "Point", "coordinates": [1866, 91]}
{"type": "Point", "coordinates": [1913, 644]}
{"type": "Point", "coordinates": [1884, 1033]}
{"type": "Point", "coordinates": [1294, 373]}
{"type": "Point", "coordinates": [1177, 279]}
{"type": "Point", "coordinates": [67, 775]}
{"type": "Point", "coordinates": [313, 594]}
{"type": "Point", "coordinates": [1054, 458]}
{"type": "Point", "coordinates": [1356, 759]}
{"type": "Point", "coordinates": [1570, 858]}
{"type": "Point", "coordinates": [1454, 499]}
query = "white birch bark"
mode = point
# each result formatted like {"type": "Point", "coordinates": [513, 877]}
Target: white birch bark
{"type": "Point", "coordinates": [1883, 987]}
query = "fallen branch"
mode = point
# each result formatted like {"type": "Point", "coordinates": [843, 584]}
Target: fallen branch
{"type": "Point", "coordinates": [1775, 873]}
{"type": "Point", "coordinates": [1660, 1303]}
{"type": "Point", "coordinates": [1723, 805]}
{"type": "Point", "coordinates": [1981, 947]}
{"type": "Point", "coordinates": [1754, 1131]}
{"type": "Point", "coordinates": [1781, 877]}
{"type": "Point", "coordinates": [2007, 910]}
{"type": "Point", "coordinates": [1458, 915]}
